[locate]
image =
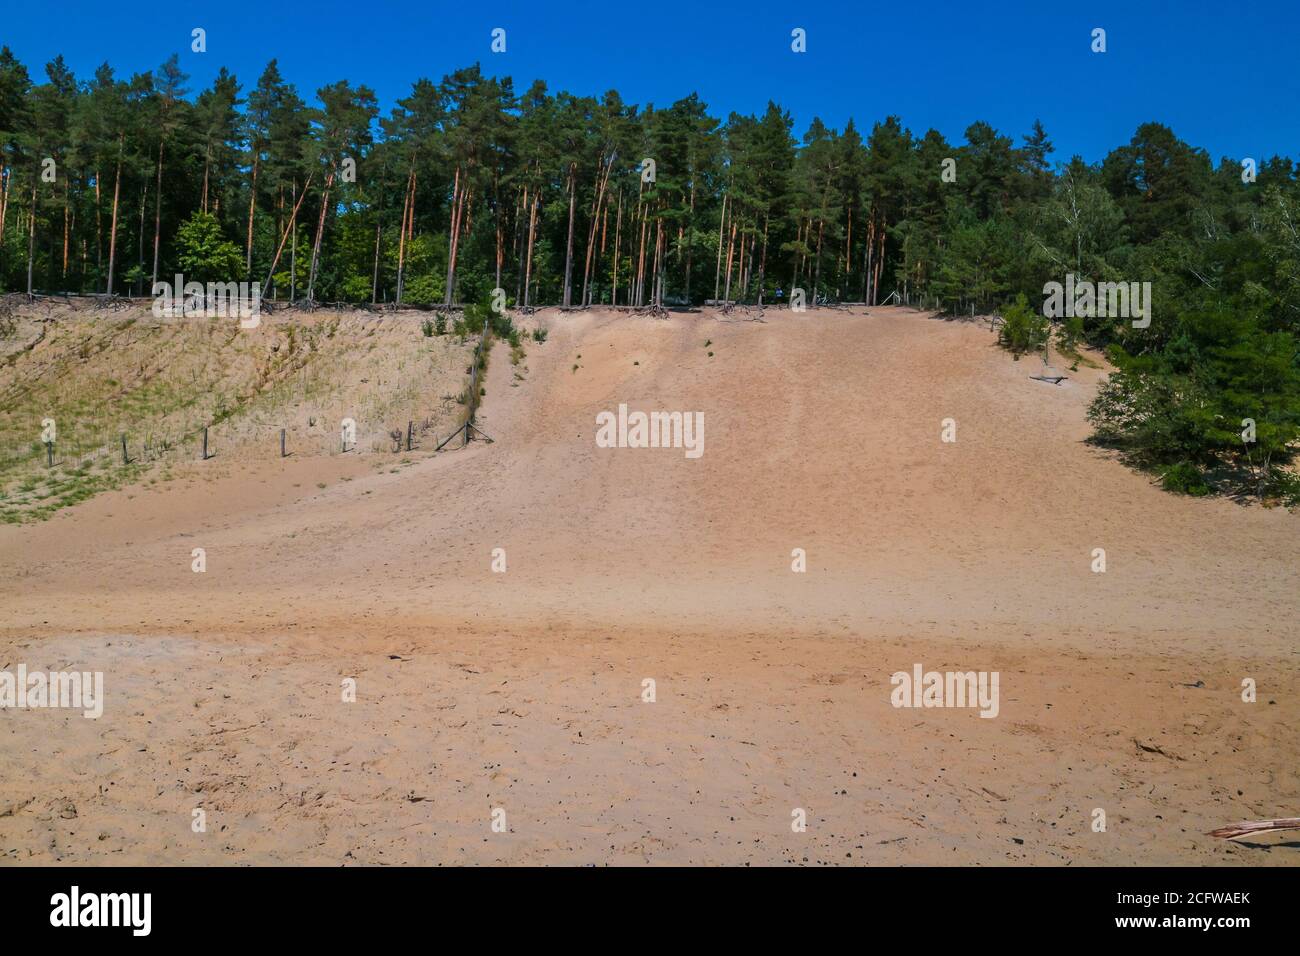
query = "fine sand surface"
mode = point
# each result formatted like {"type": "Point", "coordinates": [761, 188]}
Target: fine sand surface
{"type": "Point", "coordinates": [522, 690]}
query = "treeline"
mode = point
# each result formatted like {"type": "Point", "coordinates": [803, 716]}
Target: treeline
{"type": "Point", "coordinates": [107, 184]}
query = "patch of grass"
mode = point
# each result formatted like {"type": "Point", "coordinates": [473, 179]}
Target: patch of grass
{"type": "Point", "coordinates": [60, 489]}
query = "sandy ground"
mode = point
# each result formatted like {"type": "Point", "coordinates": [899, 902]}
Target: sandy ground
{"type": "Point", "coordinates": [522, 691]}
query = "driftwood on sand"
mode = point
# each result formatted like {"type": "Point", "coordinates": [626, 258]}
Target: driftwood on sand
{"type": "Point", "coordinates": [1255, 826]}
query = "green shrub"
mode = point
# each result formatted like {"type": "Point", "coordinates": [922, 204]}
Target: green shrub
{"type": "Point", "coordinates": [203, 254]}
{"type": "Point", "coordinates": [1183, 409]}
{"type": "Point", "coordinates": [1023, 329]}
{"type": "Point", "coordinates": [1286, 486]}
{"type": "Point", "coordinates": [1069, 333]}
{"type": "Point", "coordinates": [1185, 478]}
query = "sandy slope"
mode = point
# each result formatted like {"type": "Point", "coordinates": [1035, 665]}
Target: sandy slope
{"type": "Point", "coordinates": [522, 690]}
{"type": "Point", "coordinates": [105, 376]}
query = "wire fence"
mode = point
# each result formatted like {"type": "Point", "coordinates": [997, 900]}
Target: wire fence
{"type": "Point", "coordinates": [237, 441]}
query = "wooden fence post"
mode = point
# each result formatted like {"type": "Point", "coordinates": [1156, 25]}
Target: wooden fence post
{"type": "Point", "coordinates": [125, 459]}
{"type": "Point", "coordinates": [282, 454]}
{"type": "Point", "coordinates": [205, 442]}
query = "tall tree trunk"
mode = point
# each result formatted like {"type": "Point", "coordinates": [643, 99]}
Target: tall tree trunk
{"type": "Point", "coordinates": [31, 234]}
{"type": "Point", "coordinates": [749, 262]}
{"type": "Point", "coordinates": [67, 225]}
{"type": "Point", "coordinates": [291, 228]}
{"type": "Point", "coordinates": [157, 215]}
{"type": "Point", "coordinates": [293, 243]}
{"type": "Point", "coordinates": [139, 236]}
{"type": "Point", "coordinates": [740, 266]}
{"type": "Point", "coordinates": [602, 183]}
{"type": "Point", "coordinates": [532, 231]}
{"type": "Point", "coordinates": [746, 258]}
{"type": "Point", "coordinates": [807, 237]}
{"type": "Point", "coordinates": [252, 205]}
{"type": "Point", "coordinates": [690, 245]}
{"type": "Point", "coordinates": [501, 243]}
{"type": "Point", "coordinates": [99, 228]}
{"type": "Point", "coordinates": [5, 176]}
{"type": "Point", "coordinates": [794, 256]}
{"type": "Point", "coordinates": [644, 213]}
{"type": "Point", "coordinates": [591, 246]}
{"type": "Point", "coordinates": [466, 218]}
{"type": "Point", "coordinates": [879, 263]}
{"type": "Point", "coordinates": [568, 247]}
{"type": "Point", "coordinates": [848, 250]}
{"type": "Point", "coordinates": [604, 231]}
{"type": "Point", "coordinates": [817, 264]}
{"type": "Point", "coordinates": [519, 246]}
{"type": "Point", "coordinates": [207, 159]}
{"type": "Point", "coordinates": [112, 234]}
{"type": "Point", "coordinates": [654, 265]}
{"type": "Point", "coordinates": [661, 264]}
{"type": "Point", "coordinates": [410, 219]}
{"type": "Point", "coordinates": [731, 244]}
{"type": "Point", "coordinates": [717, 270]}
{"type": "Point", "coordinates": [456, 193]}
{"type": "Point", "coordinates": [408, 201]}
{"type": "Point", "coordinates": [320, 234]}
{"type": "Point", "coordinates": [866, 258]}
{"type": "Point", "coordinates": [618, 226]}
{"type": "Point", "coordinates": [374, 279]}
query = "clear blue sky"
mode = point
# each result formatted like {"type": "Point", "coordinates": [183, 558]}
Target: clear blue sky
{"type": "Point", "coordinates": [1221, 74]}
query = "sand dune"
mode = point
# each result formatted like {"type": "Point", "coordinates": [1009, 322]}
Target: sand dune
{"type": "Point", "coordinates": [522, 690]}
